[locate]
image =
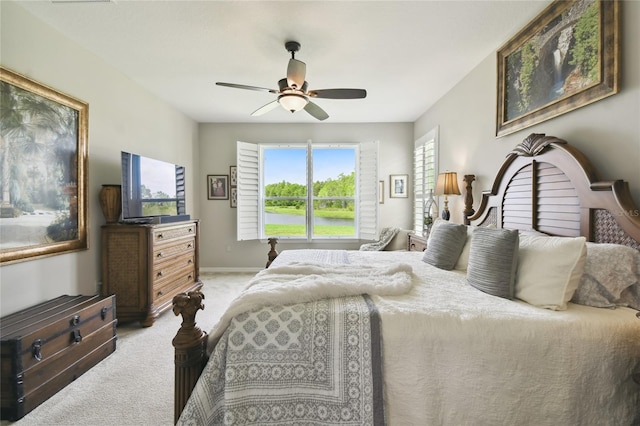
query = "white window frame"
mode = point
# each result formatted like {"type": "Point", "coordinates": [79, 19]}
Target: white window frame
{"type": "Point", "coordinates": [425, 173]}
{"type": "Point", "coordinates": [250, 208]}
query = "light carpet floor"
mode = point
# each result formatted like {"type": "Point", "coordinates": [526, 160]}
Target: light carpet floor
{"type": "Point", "coordinates": [134, 385]}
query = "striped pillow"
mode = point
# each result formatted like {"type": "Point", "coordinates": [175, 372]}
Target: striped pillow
{"type": "Point", "coordinates": [493, 260]}
{"type": "Point", "coordinates": [445, 245]}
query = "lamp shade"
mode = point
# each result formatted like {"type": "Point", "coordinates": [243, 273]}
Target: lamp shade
{"type": "Point", "coordinates": [293, 102]}
{"type": "Point", "coordinates": [447, 184]}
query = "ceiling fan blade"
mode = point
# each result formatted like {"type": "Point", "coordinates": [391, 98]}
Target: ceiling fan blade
{"type": "Point", "coordinates": [242, 86]}
{"type": "Point", "coordinates": [266, 108]}
{"type": "Point", "coordinates": [316, 111]}
{"type": "Point", "coordinates": [338, 93]}
{"type": "Point", "coordinates": [296, 72]}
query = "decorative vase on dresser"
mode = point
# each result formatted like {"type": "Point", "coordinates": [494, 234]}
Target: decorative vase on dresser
{"type": "Point", "coordinates": [111, 202]}
{"type": "Point", "coordinates": [145, 266]}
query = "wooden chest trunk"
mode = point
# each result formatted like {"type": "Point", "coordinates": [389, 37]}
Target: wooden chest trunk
{"type": "Point", "coordinates": [47, 346]}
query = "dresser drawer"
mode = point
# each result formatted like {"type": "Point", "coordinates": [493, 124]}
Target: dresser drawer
{"type": "Point", "coordinates": [175, 285]}
{"type": "Point", "coordinates": [168, 250]}
{"type": "Point", "coordinates": [173, 232]}
{"type": "Point", "coordinates": [163, 271]}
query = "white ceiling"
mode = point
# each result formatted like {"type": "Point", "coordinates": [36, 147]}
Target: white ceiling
{"type": "Point", "coordinates": [406, 54]}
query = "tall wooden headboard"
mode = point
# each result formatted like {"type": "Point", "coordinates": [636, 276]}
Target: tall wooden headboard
{"type": "Point", "coordinates": [549, 186]}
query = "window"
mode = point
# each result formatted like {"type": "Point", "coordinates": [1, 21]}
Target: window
{"type": "Point", "coordinates": [425, 171]}
{"type": "Point", "coordinates": [307, 191]}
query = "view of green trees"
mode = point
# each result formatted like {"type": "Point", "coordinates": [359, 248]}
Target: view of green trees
{"type": "Point", "coordinates": [585, 50]}
{"type": "Point", "coordinates": [343, 186]}
{"type": "Point", "coordinates": [156, 208]}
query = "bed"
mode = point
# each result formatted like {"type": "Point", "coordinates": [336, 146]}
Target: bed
{"type": "Point", "coordinates": [525, 314]}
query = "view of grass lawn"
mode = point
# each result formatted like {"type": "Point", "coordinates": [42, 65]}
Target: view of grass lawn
{"type": "Point", "coordinates": [299, 230]}
{"type": "Point", "coordinates": [328, 213]}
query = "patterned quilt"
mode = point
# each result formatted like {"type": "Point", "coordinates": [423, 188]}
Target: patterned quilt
{"type": "Point", "coordinates": [308, 363]}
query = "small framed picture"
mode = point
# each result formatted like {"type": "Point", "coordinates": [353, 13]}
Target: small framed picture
{"type": "Point", "coordinates": [218, 187]}
{"type": "Point", "coordinates": [233, 197]}
{"type": "Point", "coordinates": [233, 176]}
{"type": "Point", "coordinates": [381, 192]}
{"type": "Point", "coordinates": [398, 186]}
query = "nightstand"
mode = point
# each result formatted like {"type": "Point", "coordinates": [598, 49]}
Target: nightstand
{"type": "Point", "coordinates": [416, 242]}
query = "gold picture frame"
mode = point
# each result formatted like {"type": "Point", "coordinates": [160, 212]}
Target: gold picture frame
{"type": "Point", "coordinates": [43, 193]}
{"type": "Point", "coordinates": [565, 58]}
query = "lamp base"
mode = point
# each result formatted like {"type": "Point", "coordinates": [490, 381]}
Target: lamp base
{"type": "Point", "coordinates": [445, 214]}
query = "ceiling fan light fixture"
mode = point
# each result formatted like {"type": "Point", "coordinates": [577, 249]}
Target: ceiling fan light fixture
{"type": "Point", "coordinates": [293, 102]}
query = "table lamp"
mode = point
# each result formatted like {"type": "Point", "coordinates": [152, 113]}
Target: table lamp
{"type": "Point", "coordinates": [447, 185]}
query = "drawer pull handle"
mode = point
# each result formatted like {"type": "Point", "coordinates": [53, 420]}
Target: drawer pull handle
{"type": "Point", "coordinates": [160, 293]}
{"type": "Point", "coordinates": [103, 312]}
{"type": "Point", "coordinates": [36, 349]}
{"type": "Point", "coordinates": [190, 261]}
{"type": "Point", "coordinates": [159, 255]}
{"type": "Point", "coordinates": [159, 274]}
{"type": "Point", "coordinates": [189, 245]}
{"type": "Point", "coordinates": [160, 236]}
{"type": "Point", "coordinates": [190, 229]}
{"type": "Point", "coordinates": [190, 277]}
{"type": "Point", "coordinates": [75, 320]}
{"type": "Point", "coordinates": [76, 337]}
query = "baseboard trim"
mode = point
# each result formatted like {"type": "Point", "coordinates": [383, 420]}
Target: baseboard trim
{"type": "Point", "coordinates": [219, 270]}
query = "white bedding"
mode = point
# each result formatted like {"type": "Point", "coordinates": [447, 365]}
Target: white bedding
{"type": "Point", "coordinates": [453, 355]}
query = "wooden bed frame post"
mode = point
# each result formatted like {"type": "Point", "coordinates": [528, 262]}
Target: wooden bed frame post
{"type": "Point", "coordinates": [273, 253]}
{"type": "Point", "coordinates": [190, 346]}
{"type": "Point", "coordinates": [468, 198]}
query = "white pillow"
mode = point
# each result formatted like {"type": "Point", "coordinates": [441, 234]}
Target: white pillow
{"type": "Point", "coordinates": [611, 277]}
{"type": "Point", "coordinates": [463, 261]}
{"type": "Point", "coordinates": [549, 269]}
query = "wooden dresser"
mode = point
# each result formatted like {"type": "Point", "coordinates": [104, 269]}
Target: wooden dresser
{"type": "Point", "coordinates": [146, 265]}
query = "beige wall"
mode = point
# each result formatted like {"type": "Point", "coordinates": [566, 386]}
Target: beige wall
{"type": "Point", "coordinates": [122, 116]}
{"type": "Point", "coordinates": [219, 248]}
{"type": "Point", "coordinates": [608, 131]}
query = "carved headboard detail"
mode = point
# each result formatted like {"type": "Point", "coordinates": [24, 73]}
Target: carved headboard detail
{"type": "Point", "coordinates": [547, 185]}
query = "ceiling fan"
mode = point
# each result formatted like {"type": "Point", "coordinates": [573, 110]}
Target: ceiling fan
{"type": "Point", "coordinates": [293, 93]}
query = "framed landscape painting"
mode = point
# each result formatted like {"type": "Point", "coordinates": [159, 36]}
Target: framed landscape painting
{"type": "Point", "coordinates": [566, 58]}
{"type": "Point", "coordinates": [43, 164]}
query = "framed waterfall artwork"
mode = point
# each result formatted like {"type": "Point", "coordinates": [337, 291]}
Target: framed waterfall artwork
{"type": "Point", "coordinates": [43, 164]}
{"type": "Point", "coordinates": [564, 59]}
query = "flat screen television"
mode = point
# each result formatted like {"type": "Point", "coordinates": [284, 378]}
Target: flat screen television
{"type": "Point", "coordinates": [153, 191]}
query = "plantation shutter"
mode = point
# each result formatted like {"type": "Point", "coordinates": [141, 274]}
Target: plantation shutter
{"type": "Point", "coordinates": [424, 175]}
{"type": "Point", "coordinates": [368, 191]}
{"type": "Point", "coordinates": [248, 161]}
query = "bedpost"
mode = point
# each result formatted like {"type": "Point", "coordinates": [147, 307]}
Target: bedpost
{"type": "Point", "coordinates": [273, 252]}
{"type": "Point", "coordinates": [468, 198]}
{"type": "Point", "coordinates": [190, 346]}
